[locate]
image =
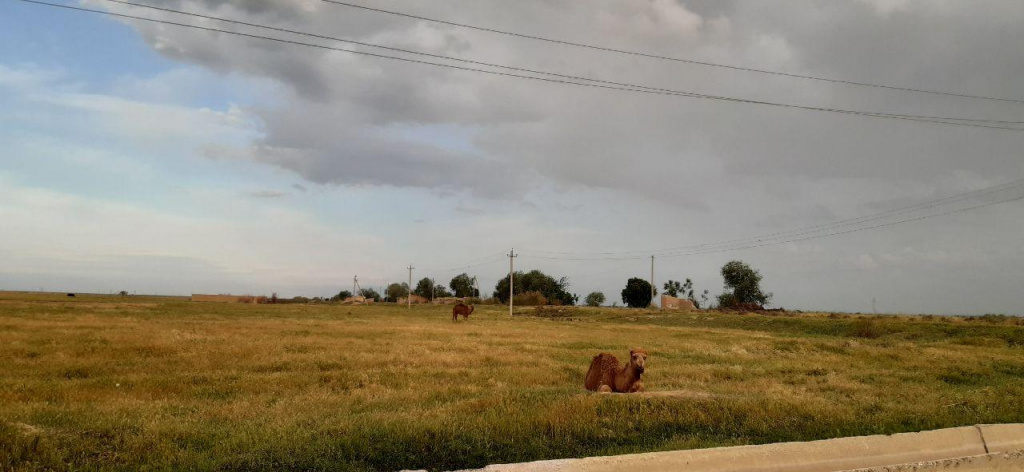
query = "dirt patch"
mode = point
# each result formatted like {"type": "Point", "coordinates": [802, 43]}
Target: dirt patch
{"type": "Point", "coordinates": [27, 429]}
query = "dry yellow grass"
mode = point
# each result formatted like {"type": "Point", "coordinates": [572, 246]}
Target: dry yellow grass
{"type": "Point", "coordinates": [162, 383]}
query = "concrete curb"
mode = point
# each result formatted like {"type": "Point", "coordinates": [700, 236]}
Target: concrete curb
{"type": "Point", "coordinates": [830, 455]}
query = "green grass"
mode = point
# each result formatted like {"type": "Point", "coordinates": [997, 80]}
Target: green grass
{"type": "Point", "coordinates": [112, 383]}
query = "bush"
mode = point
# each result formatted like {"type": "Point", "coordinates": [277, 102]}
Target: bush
{"type": "Point", "coordinates": [595, 299]}
{"type": "Point", "coordinates": [530, 299]}
{"type": "Point", "coordinates": [370, 293]}
{"type": "Point", "coordinates": [866, 328]}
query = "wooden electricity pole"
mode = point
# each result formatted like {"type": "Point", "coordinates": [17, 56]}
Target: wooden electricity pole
{"type": "Point", "coordinates": [511, 271]}
{"type": "Point", "coordinates": [408, 294]}
{"type": "Point", "coordinates": [652, 279]}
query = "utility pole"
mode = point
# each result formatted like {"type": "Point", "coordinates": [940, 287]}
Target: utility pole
{"type": "Point", "coordinates": [355, 283]}
{"type": "Point", "coordinates": [408, 294]}
{"type": "Point", "coordinates": [652, 279]}
{"type": "Point", "coordinates": [511, 257]}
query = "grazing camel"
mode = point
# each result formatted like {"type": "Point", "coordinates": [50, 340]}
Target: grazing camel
{"type": "Point", "coordinates": [607, 375]}
{"type": "Point", "coordinates": [463, 310]}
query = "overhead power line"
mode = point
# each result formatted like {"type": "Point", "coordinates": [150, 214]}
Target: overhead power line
{"type": "Point", "coordinates": [809, 233]}
{"type": "Point", "coordinates": [471, 264]}
{"type": "Point", "coordinates": [809, 229]}
{"type": "Point", "coordinates": [565, 79]}
{"type": "Point", "coordinates": [670, 58]}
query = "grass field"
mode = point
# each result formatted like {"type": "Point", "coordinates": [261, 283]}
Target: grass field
{"type": "Point", "coordinates": [135, 383]}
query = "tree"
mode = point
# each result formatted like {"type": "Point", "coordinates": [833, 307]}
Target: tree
{"type": "Point", "coordinates": [637, 293]}
{"type": "Point", "coordinates": [396, 291]}
{"type": "Point", "coordinates": [595, 299]}
{"type": "Point", "coordinates": [672, 288]}
{"type": "Point", "coordinates": [342, 295]}
{"type": "Point", "coordinates": [441, 292]}
{"type": "Point", "coordinates": [555, 290]}
{"type": "Point", "coordinates": [745, 285]}
{"type": "Point", "coordinates": [425, 288]}
{"type": "Point", "coordinates": [682, 290]}
{"type": "Point", "coordinates": [675, 289]}
{"type": "Point", "coordinates": [464, 286]}
{"type": "Point", "coordinates": [370, 293]}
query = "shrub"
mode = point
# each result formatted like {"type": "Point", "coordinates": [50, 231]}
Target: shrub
{"type": "Point", "coordinates": [595, 299]}
{"type": "Point", "coordinates": [370, 294]}
{"type": "Point", "coordinates": [866, 328]}
{"type": "Point", "coordinates": [530, 299]}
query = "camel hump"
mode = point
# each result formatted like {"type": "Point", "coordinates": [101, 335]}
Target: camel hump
{"type": "Point", "coordinates": [601, 372]}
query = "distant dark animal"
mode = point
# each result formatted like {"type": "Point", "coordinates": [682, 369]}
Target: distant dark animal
{"type": "Point", "coordinates": [71, 294]}
{"type": "Point", "coordinates": [463, 310]}
{"type": "Point", "coordinates": [607, 375]}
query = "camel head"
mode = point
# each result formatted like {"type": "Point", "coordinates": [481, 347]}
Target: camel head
{"type": "Point", "coordinates": [637, 358]}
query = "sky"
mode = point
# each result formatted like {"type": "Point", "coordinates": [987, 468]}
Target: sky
{"type": "Point", "coordinates": [159, 159]}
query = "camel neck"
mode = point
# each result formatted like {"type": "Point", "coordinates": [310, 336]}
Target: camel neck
{"type": "Point", "coordinates": [631, 371]}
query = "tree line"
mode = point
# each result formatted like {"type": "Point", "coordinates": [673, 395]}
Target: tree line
{"type": "Point", "coordinates": [742, 290]}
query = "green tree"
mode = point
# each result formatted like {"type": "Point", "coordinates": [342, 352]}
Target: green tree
{"type": "Point", "coordinates": [425, 288]}
{"type": "Point", "coordinates": [744, 284]}
{"type": "Point", "coordinates": [555, 290]}
{"type": "Point", "coordinates": [681, 290]}
{"type": "Point", "coordinates": [637, 293]}
{"type": "Point", "coordinates": [370, 293]}
{"type": "Point", "coordinates": [595, 299]}
{"type": "Point", "coordinates": [342, 295]}
{"type": "Point", "coordinates": [441, 292]}
{"type": "Point", "coordinates": [672, 288]}
{"type": "Point", "coordinates": [463, 286]}
{"type": "Point", "coordinates": [396, 291]}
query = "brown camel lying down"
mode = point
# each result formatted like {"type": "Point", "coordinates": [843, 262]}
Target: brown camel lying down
{"type": "Point", "coordinates": [463, 310]}
{"type": "Point", "coordinates": [607, 375]}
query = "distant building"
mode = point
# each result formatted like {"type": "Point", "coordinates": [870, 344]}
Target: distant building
{"type": "Point", "coordinates": [673, 303]}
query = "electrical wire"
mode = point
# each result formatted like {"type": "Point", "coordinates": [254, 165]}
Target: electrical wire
{"type": "Point", "coordinates": [594, 83]}
{"type": "Point", "coordinates": [775, 243]}
{"type": "Point", "coordinates": [814, 228]}
{"type": "Point", "coordinates": [669, 58]}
